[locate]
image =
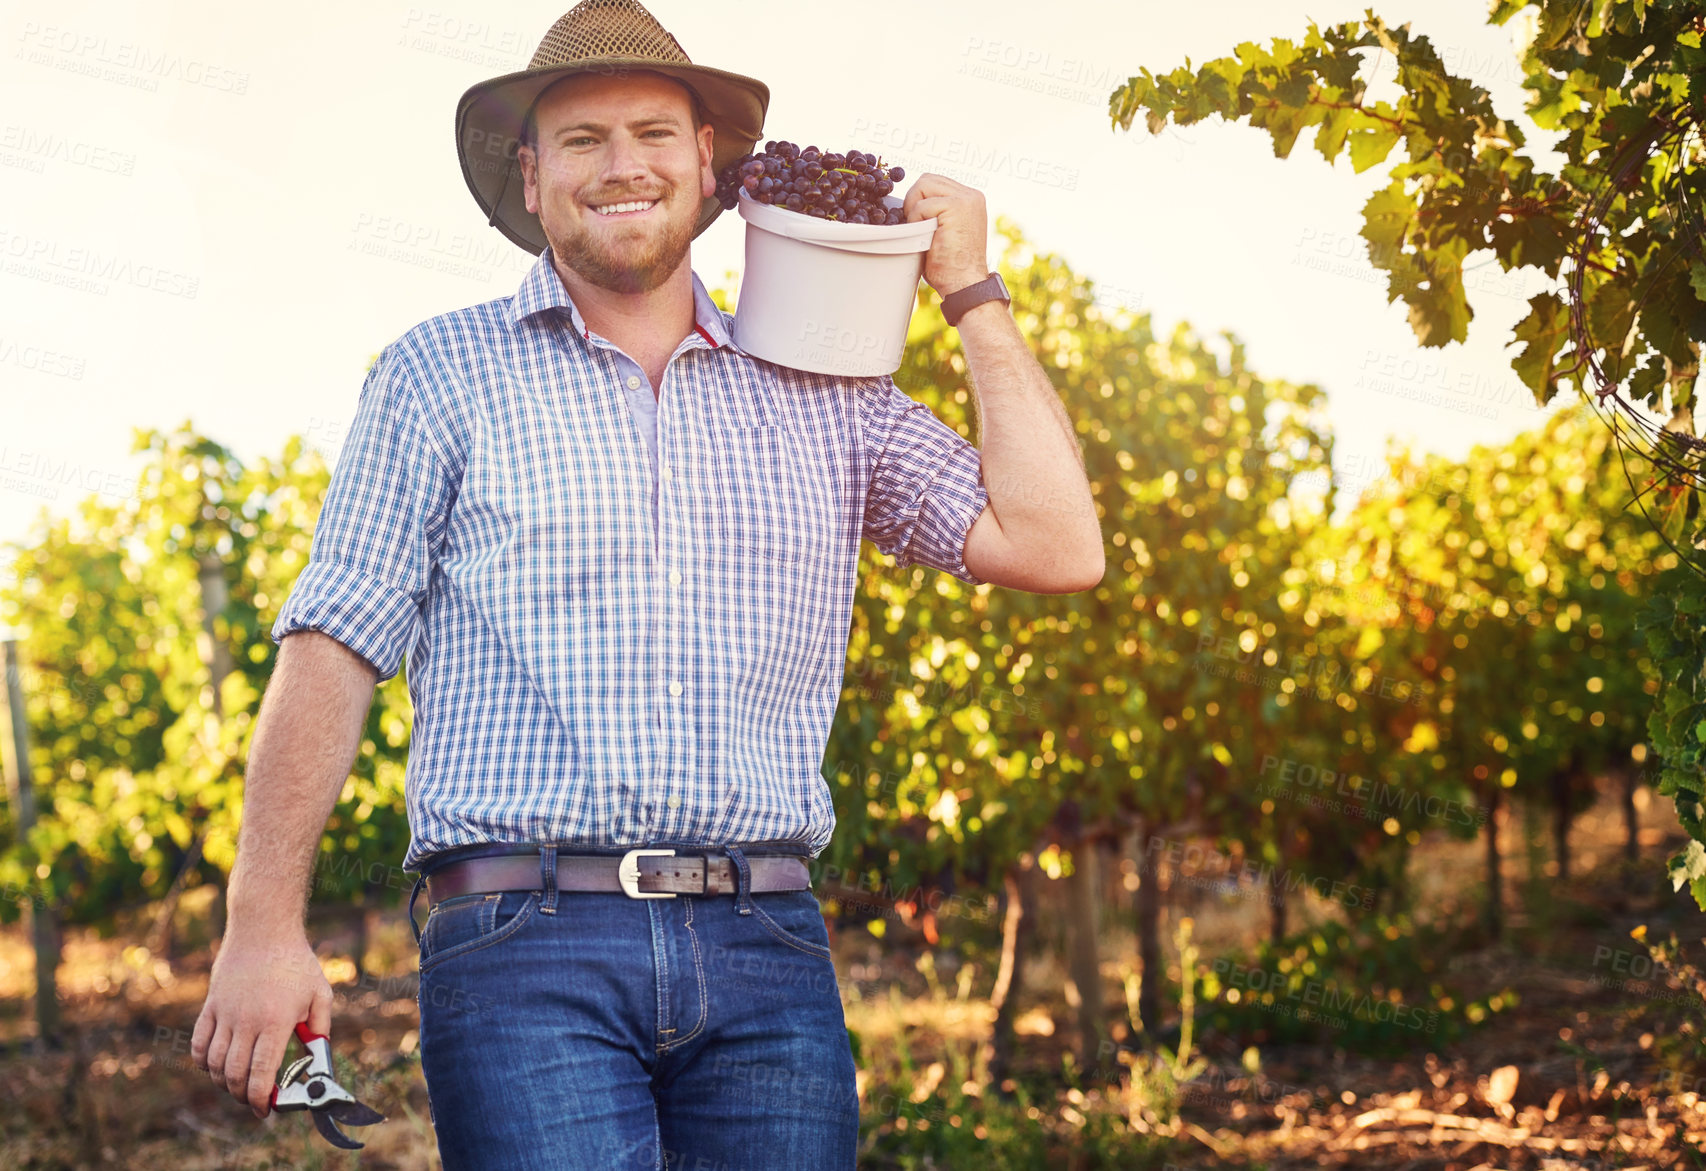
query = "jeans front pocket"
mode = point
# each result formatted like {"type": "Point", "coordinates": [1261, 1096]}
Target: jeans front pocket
{"type": "Point", "coordinates": [795, 918]}
{"type": "Point", "coordinates": [471, 922]}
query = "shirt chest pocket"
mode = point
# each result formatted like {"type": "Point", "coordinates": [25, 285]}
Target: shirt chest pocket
{"type": "Point", "coordinates": [774, 506]}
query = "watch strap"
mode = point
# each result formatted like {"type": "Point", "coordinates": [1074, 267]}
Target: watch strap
{"type": "Point", "coordinates": [991, 288]}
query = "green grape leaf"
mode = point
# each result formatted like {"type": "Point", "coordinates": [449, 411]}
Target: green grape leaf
{"type": "Point", "coordinates": [1330, 138]}
{"type": "Point", "coordinates": [1544, 333]}
{"type": "Point", "coordinates": [1371, 146]}
{"type": "Point", "coordinates": [1689, 866]}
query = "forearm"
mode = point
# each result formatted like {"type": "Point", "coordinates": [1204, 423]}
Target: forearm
{"type": "Point", "coordinates": [306, 740]}
{"type": "Point", "coordinates": [1032, 466]}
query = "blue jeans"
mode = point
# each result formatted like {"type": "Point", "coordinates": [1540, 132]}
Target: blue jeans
{"type": "Point", "coordinates": [576, 1030]}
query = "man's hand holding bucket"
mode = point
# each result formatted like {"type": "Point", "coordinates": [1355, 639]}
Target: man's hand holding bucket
{"type": "Point", "coordinates": [958, 253]}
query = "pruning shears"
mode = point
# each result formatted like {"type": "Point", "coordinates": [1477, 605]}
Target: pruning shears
{"type": "Point", "coordinates": [308, 1085]}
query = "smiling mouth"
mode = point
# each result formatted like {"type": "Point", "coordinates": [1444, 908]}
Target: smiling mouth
{"type": "Point", "coordinates": [621, 210]}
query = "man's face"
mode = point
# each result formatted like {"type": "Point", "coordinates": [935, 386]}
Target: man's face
{"type": "Point", "coordinates": [606, 141]}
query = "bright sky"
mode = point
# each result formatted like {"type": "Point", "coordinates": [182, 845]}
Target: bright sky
{"type": "Point", "coordinates": [219, 212]}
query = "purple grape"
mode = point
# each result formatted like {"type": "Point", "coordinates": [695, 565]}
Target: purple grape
{"type": "Point", "coordinates": [847, 187]}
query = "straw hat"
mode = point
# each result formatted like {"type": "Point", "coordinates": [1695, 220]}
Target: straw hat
{"type": "Point", "coordinates": [612, 37]}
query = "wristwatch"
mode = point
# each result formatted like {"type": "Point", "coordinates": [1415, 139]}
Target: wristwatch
{"type": "Point", "coordinates": [991, 288]}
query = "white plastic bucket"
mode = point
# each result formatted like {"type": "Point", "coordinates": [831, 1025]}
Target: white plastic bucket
{"type": "Point", "coordinates": [825, 296]}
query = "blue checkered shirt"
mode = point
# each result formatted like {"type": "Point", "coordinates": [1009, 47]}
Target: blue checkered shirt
{"type": "Point", "coordinates": [580, 672]}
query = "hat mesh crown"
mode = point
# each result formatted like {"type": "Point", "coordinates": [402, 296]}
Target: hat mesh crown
{"type": "Point", "coordinates": [607, 28]}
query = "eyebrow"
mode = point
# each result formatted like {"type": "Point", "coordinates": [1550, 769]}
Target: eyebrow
{"type": "Point", "coordinates": [636, 124]}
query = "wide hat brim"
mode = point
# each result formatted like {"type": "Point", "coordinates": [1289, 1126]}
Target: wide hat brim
{"type": "Point", "coordinates": [489, 120]}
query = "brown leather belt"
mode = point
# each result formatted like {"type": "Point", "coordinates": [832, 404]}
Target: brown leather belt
{"type": "Point", "coordinates": [640, 874]}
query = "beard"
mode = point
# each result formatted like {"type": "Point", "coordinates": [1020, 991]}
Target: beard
{"type": "Point", "coordinates": [624, 263]}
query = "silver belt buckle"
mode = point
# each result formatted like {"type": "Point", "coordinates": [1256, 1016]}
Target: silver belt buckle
{"type": "Point", "coordinates": [628, 874]}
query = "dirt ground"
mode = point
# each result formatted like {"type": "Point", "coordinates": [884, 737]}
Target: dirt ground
{"type": "Point", "coordinates": [1599, 1064]}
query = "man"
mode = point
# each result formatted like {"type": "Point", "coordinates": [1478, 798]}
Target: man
{"type": "Point", "coordinates": [620, 554]}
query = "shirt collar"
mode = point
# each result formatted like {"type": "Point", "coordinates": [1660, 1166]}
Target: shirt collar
{"type": "Point", "coordinates": [542, 290]}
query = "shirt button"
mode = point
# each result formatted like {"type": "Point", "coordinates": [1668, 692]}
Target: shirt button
{"type": "Point", "coordinates": [674, 577]}
{"type": "Point", "coordinates": [633, 382]}
{"type": "Point", "coordinates": [675, 802]}
{"type": "Point", "coordinates": [675, 689]}
{"type": "Point", "coordinates": [666, 473]}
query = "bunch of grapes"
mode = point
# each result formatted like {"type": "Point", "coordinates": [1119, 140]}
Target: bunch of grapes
{"type": "Point", "coordinates": [846, 187]}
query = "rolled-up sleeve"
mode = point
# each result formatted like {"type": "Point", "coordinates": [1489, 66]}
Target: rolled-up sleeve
{"type": "Point", "coordinates": [926, 482]}
{"type": "Point", "coordinates": [380, 528]}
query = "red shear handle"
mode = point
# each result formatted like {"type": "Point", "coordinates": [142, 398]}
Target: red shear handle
{"type": "Point", "coordinates": [304, 1035]}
